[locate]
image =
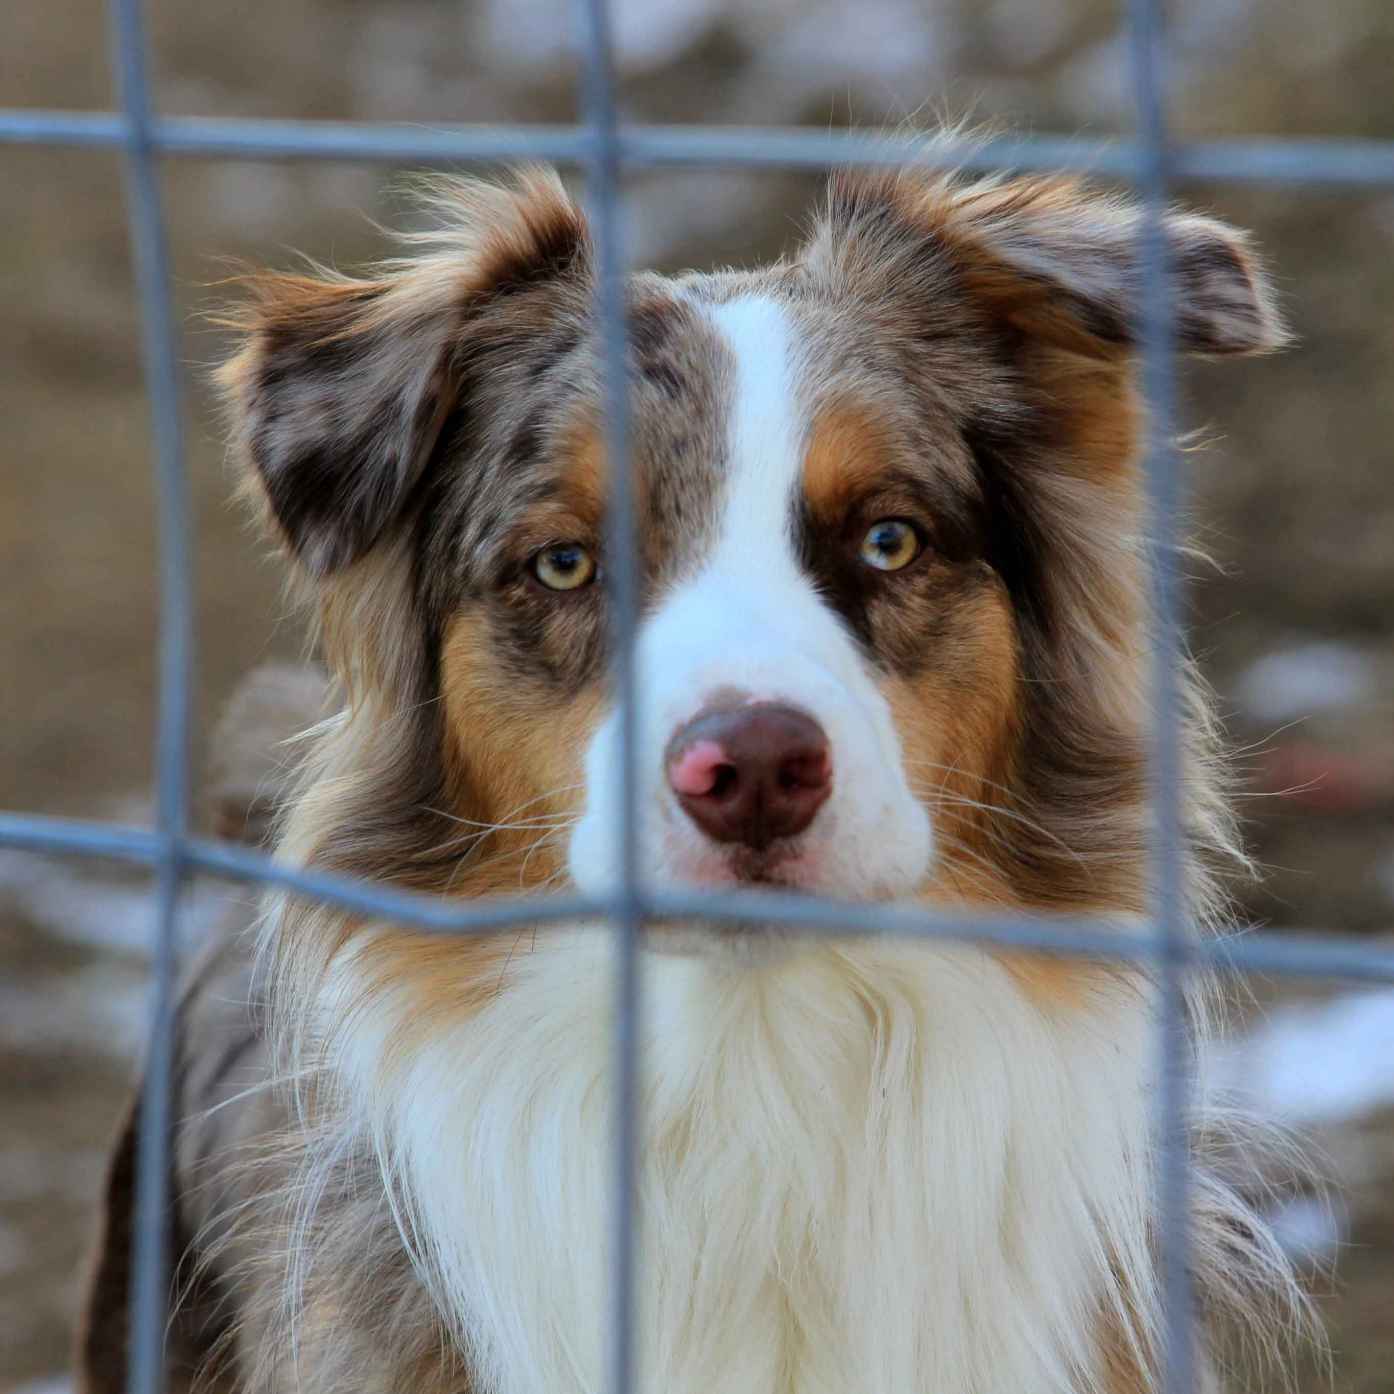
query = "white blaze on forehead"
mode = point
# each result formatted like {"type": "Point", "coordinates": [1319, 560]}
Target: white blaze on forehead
{"type": "Point", "coordinates": [766, 435]}
{"type": "Point", "coordinates": [750, 620]}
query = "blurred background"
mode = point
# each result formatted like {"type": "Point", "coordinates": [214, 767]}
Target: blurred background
{"type": "Point", "coordinates": [1293, 496]}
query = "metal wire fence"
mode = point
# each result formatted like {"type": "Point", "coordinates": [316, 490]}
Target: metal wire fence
{"type": "Point", "coordinates": [605, 148]}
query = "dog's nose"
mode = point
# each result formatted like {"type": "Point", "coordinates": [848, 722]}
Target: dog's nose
{"type": "Point", "coordinates": [751, 775]}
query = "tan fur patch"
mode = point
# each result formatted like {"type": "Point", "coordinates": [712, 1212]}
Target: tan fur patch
{"type": "Point", "coordinates": [1034, 305]}
{"type": "Point", "coordinates": [1101, 416]}
{"type": "Point", "coordinates": [445, 977]}
{"type": "Point", "coordinates": [520, 762]}
{"type": "Point", "coordinates": [955, 722]}
{"type": "Point", "coordinates": [847, 454]}
{"type": "Point", "coordinates": [1126, 1369]}
{"type": "Point", "coordinates": [520, 759]}
{"type": "Point", "coordinates": [586, 481]}
{"type": "Point", "coordinates": [956, 735]}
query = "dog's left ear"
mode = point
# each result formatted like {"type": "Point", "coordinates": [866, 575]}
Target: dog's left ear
{"type": "Point", "coordinates": [341, 386]}
{"type": "Point", "coordinates": [1053, 258]}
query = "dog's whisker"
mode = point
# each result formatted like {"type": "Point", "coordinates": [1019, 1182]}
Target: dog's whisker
{"type": "Point", "coordinates": [941, 795]}
{"type": "Point", "coordinates": [949, 771]}
{"type": "Point", "coordinates": [509, 822]}
{"type": "Point", "coordinates": [550, 839]}
{"type": "Point", "coordinates": [549, 836]}
{"type": "Point", "coordinates": [986, 878]}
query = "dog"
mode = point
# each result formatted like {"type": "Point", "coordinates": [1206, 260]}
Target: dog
{"type": "Point", "coordinates": [893, 648]}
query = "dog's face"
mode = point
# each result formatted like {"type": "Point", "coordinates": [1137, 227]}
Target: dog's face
{"type": "Point", "coordinates": [824, 590]}
{"type": "Point", "coordinates": [886, 510]}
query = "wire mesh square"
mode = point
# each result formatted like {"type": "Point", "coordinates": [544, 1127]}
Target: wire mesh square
{"type": "Point", "coordinates": [605, 148]}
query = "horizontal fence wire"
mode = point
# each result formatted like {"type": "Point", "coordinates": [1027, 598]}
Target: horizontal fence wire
{"type": "Point", "coordinates": [1296, 953]}
{"type": "Point", "coordinates": [1261, 160]}
{"type": "Point", "coordinates": [604, 148]}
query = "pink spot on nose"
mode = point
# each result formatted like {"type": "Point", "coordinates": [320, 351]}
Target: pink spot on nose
{"type": "Point", "coordinates": [695, 770]}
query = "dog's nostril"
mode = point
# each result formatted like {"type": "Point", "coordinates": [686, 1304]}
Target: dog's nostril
{"type": "Point", "coordinates": [725, 782]}
{"type": "Point", "coordinates": [752, 774]}
{"type": "Point", "coordinates": [804, 771]}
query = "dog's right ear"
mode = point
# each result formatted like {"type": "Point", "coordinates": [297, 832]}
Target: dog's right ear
{"type": "Point", "coordinates": [341, 386]}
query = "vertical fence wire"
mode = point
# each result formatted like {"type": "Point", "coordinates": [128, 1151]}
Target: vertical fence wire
{"type": "Point", "coordinates": [602, 147]}
{"type": "Point", "coordinates": [149, 247]}
{"type": "Point", "coordinates": [622, 589]}
{"type": "Point", "coordinates": [1168, 854]}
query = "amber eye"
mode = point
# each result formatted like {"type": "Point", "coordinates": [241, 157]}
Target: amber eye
{"type": "Point", "coordinates": [890, 544]}
{"type": "Point", "coordinates": [566, 566]}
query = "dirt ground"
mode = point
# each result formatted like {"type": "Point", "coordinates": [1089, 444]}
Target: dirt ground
{"type": "Point", "coordinates": [1293, 495]}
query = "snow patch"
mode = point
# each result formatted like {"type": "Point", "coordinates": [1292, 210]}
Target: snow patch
{"type": "Point", "coordinates": [104, 912]}
{"type": "Point", "coordinates": [1309, 1064]}
{"type": "Point", "coordinates": [1300, 681]}
{"type": "Point", "coordinates": [50, 1384]}
{"type": "Point", "coordinates": [536, 34]}
{"type": "Point", "coordinates": [1307, 1227]}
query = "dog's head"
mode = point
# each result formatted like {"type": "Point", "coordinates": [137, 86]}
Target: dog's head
{"type": "Point", "coordinates": [887, 507]}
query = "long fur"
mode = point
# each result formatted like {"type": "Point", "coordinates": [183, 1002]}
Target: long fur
{"type": "Point", "coordinates": [882, 1166]}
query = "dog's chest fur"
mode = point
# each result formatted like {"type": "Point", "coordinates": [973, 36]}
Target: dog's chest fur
{"type": "Point", "coordinates": [877, 1169]}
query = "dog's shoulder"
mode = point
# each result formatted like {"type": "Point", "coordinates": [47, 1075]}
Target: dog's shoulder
{"type": "Point", "coordinates": [241, 1159]}
{"type": "Point", "coordinates": [220, 1065]}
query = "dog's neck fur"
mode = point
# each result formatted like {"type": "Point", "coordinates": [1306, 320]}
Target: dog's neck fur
{"type": "Point", "coordinates": [873, 1167]}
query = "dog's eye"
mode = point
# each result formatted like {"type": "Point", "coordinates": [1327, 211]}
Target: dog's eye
{"type": "Point", "coordinates": [890, 544]}
{"type": "Point", "coordinates": [566, 566]}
